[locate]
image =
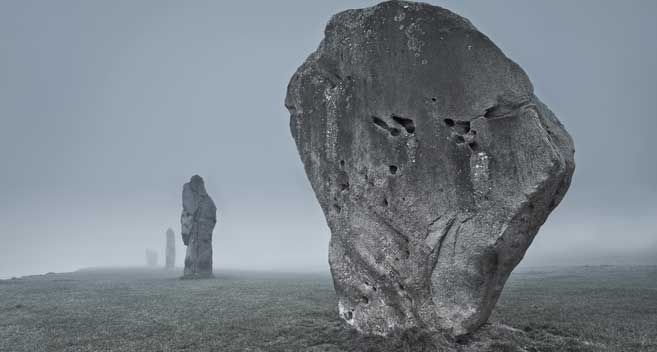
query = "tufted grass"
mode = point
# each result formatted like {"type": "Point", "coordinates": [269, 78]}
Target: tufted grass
{"type": "Point", "coordinates": [546, 309]}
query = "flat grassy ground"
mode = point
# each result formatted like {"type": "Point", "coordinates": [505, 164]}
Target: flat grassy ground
{"type": "Point", "coordinates": [546, 309]}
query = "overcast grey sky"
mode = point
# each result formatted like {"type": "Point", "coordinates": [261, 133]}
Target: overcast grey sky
{"type": "Point", "coordinates": [108, 107]}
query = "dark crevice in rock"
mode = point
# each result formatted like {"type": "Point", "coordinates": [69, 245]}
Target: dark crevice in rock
{"type": "Point", "coordinates": [343, 181]}
{"type": "Point", "coordinates": [393, 169]}
{"type": "Point", "coordinates": [377, 121]}
{"type": "Point", "coordinates": [408, 124]}
{"type": "Point", "coordinates": [473, 146]}
{"type": "Point", "coordinates": [506, 110]}
{"type": "Point", "coordinates": [384, 125]}
{"type": "Point", "coordinates": [449, 122]}
{"type": "Point", "coordinates": [492, 112]}
{"type": "Point", "coordinates": [462, 127]}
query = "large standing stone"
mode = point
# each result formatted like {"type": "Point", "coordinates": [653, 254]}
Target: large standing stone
{"type": "Point", "coordinates": [433, 161]}
{"type": "Point", "coordinates": [170, 249]}
{"type": "Point", "coordinates": [198, 218]}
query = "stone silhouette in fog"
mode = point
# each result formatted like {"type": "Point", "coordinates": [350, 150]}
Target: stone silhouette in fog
{"type": "Point", "coordinates": [151, 257]}
{"type": "Point", "coordinates": [197, 221]}
{"type": "Point", "coordinates": [170, 255]}
{"type": "Point", "coordinates": [433, 161]}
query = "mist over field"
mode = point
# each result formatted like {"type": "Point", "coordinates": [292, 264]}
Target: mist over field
{"type": "Point", "coordinates": [107, 108]}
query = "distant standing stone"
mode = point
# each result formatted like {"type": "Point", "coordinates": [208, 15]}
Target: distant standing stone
{"type": "Point", "coordinates": [170, 249]}
{"type": "Point", "coordinates": [434, 163]}
{"type": "Point", "coordinates": [197, 221]}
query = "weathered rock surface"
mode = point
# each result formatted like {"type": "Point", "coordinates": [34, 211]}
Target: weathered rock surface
{"type": "Point", "coordinates": [170, 254]}
{"type": "Point", "coordinates": [433, 161]}
{"type": "Point", "coordinates": [197, 221]}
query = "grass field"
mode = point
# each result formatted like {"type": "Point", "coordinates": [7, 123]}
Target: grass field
{"type": "Point", "coordinates": [542, 309]}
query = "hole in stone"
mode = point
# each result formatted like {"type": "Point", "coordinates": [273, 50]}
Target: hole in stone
{"type": "Point", "coordinates": [408, 124]}
{"type": "Point", "coordinates": [531, 206]}
{"type": "Point", "coordinates": [449, 122]}
{"type": "Point", "coordinates": [343, 181]}
{"type": "Point", "coordinates": [385, 202]}
{"type": "Point", "coordinates": [374, 288]}
{"type": "Point", "coordinates": [474, 132]}
{"type": "Point", "coordinates": [377, 121]}
{"type": "Point", "coordinates": [349, 315]}
{"type": "Point", "coordinates": [337, 208]}
{"type": "Point", "coordinates": [408, 253]}
{"type": "Point", "coordinates": [462, 127]}
{"type": "Point", "coordinates": [382, 124]}
{"type": "Point", "coordinates": [393, 169]}
{"type": "Point", "coordinates": [401, 287]}
{"type": "Point", "coordinates": [473, 145]}
{"type": "Point", "coordinates": [342, 163]}
{"type": "Point", "coordinates": [459, 139]}
{"type": "Point", "coordinates": [433, 99]}
{"type": "Point", "coordinates": [366, 300]}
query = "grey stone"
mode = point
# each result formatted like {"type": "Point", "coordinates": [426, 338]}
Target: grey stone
{"type": "Point", "coordinates": [197, 221]}
{"type": "Point", "coordinates": [170, 249]}
{"type": "Point", "coordinates": [433, 161]}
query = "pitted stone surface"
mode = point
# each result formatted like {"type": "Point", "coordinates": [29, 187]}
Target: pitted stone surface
{"type": "Point", "coordinates": [433, 161]}
{"type": "Point", "coordinates": [197, 221]}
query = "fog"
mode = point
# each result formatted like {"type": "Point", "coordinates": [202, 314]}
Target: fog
{"type": "Point", "coordinates": [108, 107]}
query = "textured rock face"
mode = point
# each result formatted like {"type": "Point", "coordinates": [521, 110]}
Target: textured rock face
{"type": "Point", "coordinates": [433, 161]}
{"type": "Point", "coordinates": [198, 218]}
{"type": "Point", "coordinates": [170, 249]}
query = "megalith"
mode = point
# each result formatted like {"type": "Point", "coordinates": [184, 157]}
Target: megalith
{"type": "Point", "coordinates": [197, 221]}
{"type": "Point", "coordinates": [170, 250]}
{"type": "Point", "coordinates": [433, 161]}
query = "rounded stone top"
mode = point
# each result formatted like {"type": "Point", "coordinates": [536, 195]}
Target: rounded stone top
{"type": "Point", "coordinates": [197, 184]}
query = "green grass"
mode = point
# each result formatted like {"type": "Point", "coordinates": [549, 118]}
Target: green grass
{"type": "Point", "coordinates": [609, 308]}
{"type": "Point", "coordinates": [570, 309]}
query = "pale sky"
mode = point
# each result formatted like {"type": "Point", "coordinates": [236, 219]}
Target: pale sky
{"type": "Point", "coordinates": [108, 107]}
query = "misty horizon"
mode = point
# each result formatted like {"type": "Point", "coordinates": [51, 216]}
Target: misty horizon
{"type": "Point", "coordinates": [109, 108]}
